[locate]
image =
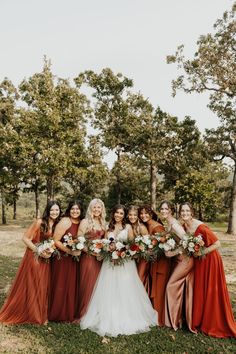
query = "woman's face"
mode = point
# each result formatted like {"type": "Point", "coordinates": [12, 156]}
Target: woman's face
{"type": "Point", "coordinates": [185, 213]}
{"type": "Point", "coordinates": [165, 211]}
{"type": "Point", "coordinates": [97, 210]}
{"type": "Point", "coordinates": [119, 215]}
{"type": "Point", "coordinates": [133, 216]}
{"type": "Point", "coordinates": [54, 212]}
{"type": "Point", "coordinates": [145, 216]}
{"type": "Point", "coordinates": [75, 212]}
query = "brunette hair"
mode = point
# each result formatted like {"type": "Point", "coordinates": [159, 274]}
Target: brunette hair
{"type": "Point", "coordinates": [46, 216]}
{"type": "Point", "coordinates": [112, 222]}
{"type": "Point", "coordinates": [71, 204]}
{"type": "Point", "coordinates": [170, 205]}
{"type": "Point", "coordinates": [189, 205]}
{"type": "Point", "coordinates": [149, 210]}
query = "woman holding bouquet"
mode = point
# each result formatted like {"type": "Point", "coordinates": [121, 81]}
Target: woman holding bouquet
{"type": "Point", "coordinates": [64, 288]}
{"type": "Point", "coordinates": [93, 227]}
{"type": "Point", "coordinates": [154, 275]}
{"type": "Point", "coordinates": [180, 284]}
{"type": "Point", "coordinates": [212, 311]}
{"type": "Point", "coordinates": [119, 304]}
{"type": "Point", "coordinates": [27, 301]}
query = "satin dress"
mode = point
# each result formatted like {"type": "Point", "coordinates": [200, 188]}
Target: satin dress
{"type": "Point", "coordinates": [212, 311]}
{"type": "Point", "coordinates": [89, 268]}
{"type": "Point", "coordinates": [64, 286]}
{"type": "Point", "coordinates": [179, 289]}
{"type": "Point", "coordinates": [27, 301]}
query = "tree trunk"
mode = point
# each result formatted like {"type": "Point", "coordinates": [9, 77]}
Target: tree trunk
{"type": "Point", "coordinates": [118, 186]}
{"type": "Point", "coordinates": [232, 211]}
{"type": "Point", "coordinates": [200, 212]}
{"type": "Point", "coordinates": [153, 183]}
{"type": "Point", "coordinates": [50, 189]}
{"type": "Point", "coordinates": [14, 209]}
{"type": "Point", "coordinates": [36, 193]}
{"type": "Point", "coordinates": [4, 219]}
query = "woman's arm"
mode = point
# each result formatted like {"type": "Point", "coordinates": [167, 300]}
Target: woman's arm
{"type": "Point", "coordinates": [143, 230]}
{"type": "Point", "coordinates": [130, 232]}
{"type": "Point", "coordinates": [211, 248]}
{"type": "Point", "coordinates": [59, 232]}
{"type": "Point", "coordinates": [83, 227]}
{"type": "Point", "coordinates": [29, 234]}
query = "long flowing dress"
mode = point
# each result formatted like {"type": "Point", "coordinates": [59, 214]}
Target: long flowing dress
{"type": "Point", "coordinates": [27, 301]}
{"type": "Point", "coordinates": [119, 304]}
{"type": "Point", "coordinates": [160, 272]}
{"type": "Point", "coordinates": [89, 268]}
{"type": "Point", "coordinates": [179, 289]}
{"type": "Point", "coordinates": [64, 288]}
{"type": "Point", "coordinates": [212, 311]}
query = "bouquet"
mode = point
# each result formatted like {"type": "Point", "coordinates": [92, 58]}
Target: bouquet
{"type": "Point", "coordinates": [145, 247]}
{"type": "Point", "coordinates": [166, 241]}
{"type": "Point", "coordinates": [114, 251]}
{"type": "Point", "coordinates": [47, 247]}
{"type": "Point", "coordinates": [193, 244]}
{"type": "Point", "coordinates": [75, 244]}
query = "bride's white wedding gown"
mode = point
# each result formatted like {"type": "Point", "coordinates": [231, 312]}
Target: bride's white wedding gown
{"type": "Point", "coordinates": [119, 304]}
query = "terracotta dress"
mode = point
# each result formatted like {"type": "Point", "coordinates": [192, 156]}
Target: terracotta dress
{"type": "Point", "coordinates": [89, 269]}
{"type": "Point", "coordinates": [159, 272]}
{"type": "Point", "coordinates": [212, 311]}
{"type": "Point", "coordinates": [27, 301]}
{"type": "Point", "coordinates": [179, 289]}
{"type": "Point", "coordinates": [64, 287]}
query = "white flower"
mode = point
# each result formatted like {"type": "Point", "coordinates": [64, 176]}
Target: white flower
{"type": "Point", "coordinates": [167, 247]}
{"type": "Point", "coordinates": [119, 245]}
{"type": "Point", "coordinates": [191, 245]}
{"type": "Point", "coordinates": [115, 255]}
{"type": "Point", "coordinates": [171, 243]}
{"type": "Point", "coordinates": [82, 239]}
{"type": "Point", "coordinates": [79, 246]}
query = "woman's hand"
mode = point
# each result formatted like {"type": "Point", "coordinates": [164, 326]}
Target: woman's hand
{"type": "Point", "coordinates": [45, 254]}
{"type": "Point", "coordinates": [74, 253]}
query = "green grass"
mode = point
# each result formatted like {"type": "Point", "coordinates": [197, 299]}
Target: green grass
{"type": "Point", "coordinates": [61, 338]}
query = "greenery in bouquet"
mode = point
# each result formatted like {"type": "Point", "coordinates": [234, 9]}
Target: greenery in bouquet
{"type": "Point", "coordinates": [47, 248]}
{"type": "Point", "coordinates": [193, 245]}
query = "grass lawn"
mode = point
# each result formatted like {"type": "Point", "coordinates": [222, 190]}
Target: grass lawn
{"type": "Point", "coordinates": [68, 338]}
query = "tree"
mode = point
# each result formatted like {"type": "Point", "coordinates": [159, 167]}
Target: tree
{"type": "Point", "coordinates": [54, 128]}
{"type": "Point", "coordinates": [213, 70]}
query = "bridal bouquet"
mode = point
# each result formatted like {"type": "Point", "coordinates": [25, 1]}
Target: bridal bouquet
{"type": "Point", "coordinates": [47, 247]}
{"type": "Point", "coordinates": [193, 244]}
{"type": "Point", "coordinates": [114, 251]}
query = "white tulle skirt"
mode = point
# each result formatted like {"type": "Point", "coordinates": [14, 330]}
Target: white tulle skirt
{"type": "Point", "coordinates": [119, 304]}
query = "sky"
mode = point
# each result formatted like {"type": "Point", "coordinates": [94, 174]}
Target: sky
{"type": "Point", "coordinates": [129, 36]}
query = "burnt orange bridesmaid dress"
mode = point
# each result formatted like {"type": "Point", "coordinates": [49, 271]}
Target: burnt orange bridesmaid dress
{"type": "Point", "coordinates": [89, 269]}
{"type": "Point", "coordinates": [160, 272]}
{"type": "Point", "coordinates": [212, 311]}
{"type": "Point", "coordinates": [64, 288]}
{"type": "Point", "coordinates": [27, 301]}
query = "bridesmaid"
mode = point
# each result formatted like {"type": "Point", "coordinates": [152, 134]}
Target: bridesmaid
{"type": "Point", "coordinates": [64, 290]}
{"type": "Point", "coordinates": [157, 272]}
{"type": "Point", "coordinates": [27, 301]}
{"type": "Point", "coordinates": [179, 289]}
{"type": "Point", "coordinates": [212, 311]}
{"type": "Point", "coordinates": [139, 229]}
{"type": "Point", "coordinates": [92, 227]}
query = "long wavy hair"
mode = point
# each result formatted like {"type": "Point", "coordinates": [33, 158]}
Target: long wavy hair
{"type": "Point", "coordinates": [170, 205]}
{"type": "Point", "coordinates": [135, 226]}
{"type": "Point", "coordinates": [189, 205]}
{"type": "Point", "coordinates": [44, 227]}
{"type": "Point", "coordinates": [89, 214]}
{"type": "Point", "coordinates": [70, 205]}
{"type": "Point", "coordinates": [112, 222]}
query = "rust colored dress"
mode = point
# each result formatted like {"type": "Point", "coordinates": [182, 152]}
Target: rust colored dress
{"type": "Point", "coordinates": [160, 272]}
{"type": "Point", "coordinates": [27, 301]}
{"type": "Point", "coordinates": [179, 289]}
{"type": "Point", "coordinates": [89, 269]}
{"type": "Point", "coordinates": [212, 311]}
{"type": "Point", "coordinates": [64, 288]}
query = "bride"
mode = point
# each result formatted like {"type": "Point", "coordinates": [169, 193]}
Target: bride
{"type": "Point", "coordinates": [119, 304]}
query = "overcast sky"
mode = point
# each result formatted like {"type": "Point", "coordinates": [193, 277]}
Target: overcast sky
{"type": "Point", "coordinates": [129, 36]}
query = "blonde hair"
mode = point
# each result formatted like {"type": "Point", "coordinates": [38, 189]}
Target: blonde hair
{"type": "Point", "coordinates": [89, 214]}
{"type": "Point", "coordinates": [136, 225]}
